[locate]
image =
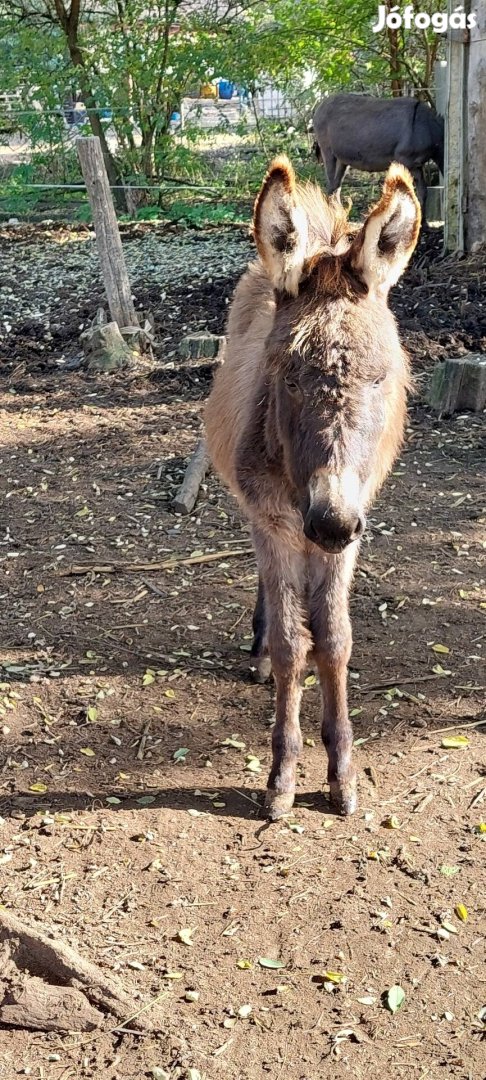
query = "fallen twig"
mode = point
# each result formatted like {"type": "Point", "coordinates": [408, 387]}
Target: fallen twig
{"type": "Point", "coordinates": [152, 567]}
{"type": "Point", "coordinates": [121, 1028]}
{"type": "Point", "coordinates": [455, 727]}
{"type": "Point", "coordinates": [143, 740]}
{"type": "Point", "coordinates": [390, 683]}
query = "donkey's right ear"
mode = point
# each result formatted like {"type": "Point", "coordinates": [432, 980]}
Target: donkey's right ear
{"type": "Point", "coordinates": [280, 227]}
{"type": "Point", "coordinates": [382, 249]}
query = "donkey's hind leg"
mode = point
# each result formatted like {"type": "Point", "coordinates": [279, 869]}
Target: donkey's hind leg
{"type": "Point", "coordinates": [336, 171]}
{"type": "Point", "coordinates": [284, 575]}
{"type": "Point", "coordinates": [331, 631]}
{"type": "Point", "coordinates": [260, 663]}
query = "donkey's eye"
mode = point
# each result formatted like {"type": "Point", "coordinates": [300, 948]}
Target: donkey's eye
{"type": "Point", "coordinates": [379, 380]}
{"type": "Point", "coordinates": [292, 385]}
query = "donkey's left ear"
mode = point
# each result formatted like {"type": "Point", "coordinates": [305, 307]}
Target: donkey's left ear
{"type": "Point", "coordinates": [387, 240]}
{"type": "Point", "coordinates": [280, 227]}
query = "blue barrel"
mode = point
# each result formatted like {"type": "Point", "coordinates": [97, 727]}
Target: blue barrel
{"type": "Point", "coordinates": [226, 90]}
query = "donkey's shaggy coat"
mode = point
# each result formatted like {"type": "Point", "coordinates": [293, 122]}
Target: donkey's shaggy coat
{"type": "Point", "coordinates": [304, 421]}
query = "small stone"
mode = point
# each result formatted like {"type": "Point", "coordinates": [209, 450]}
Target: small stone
{"type": "Point", "coordinates": [202, 344]}
{"type": "Point", "coordinates": [459, 383]}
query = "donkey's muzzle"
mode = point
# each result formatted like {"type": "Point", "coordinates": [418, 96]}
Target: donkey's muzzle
{"type": "Point", "coordinates": [331, 532]}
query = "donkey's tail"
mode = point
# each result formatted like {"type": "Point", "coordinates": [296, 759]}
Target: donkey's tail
{"type": "Point", "coordinates": [317, 151]}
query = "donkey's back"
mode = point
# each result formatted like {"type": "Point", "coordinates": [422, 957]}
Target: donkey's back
{"type": "Point", "coordinates": [241, 378]}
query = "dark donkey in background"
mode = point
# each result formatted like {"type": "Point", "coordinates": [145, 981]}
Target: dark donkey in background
{"type": "Point", "coordinates": [369, 133]}
{"type": "Point", "coordinates": [304, 420]}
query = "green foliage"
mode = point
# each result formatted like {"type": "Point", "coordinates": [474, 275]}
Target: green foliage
{"type": "Point", "coordinates": [203, 213]}
{"type": "Point", "coordinates": [139, 58]}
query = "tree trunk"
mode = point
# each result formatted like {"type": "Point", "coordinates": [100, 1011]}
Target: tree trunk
{"type": "Point", "coordinates": [394, 60]}
{"type": "Point", "coordinates": [148, 150]}
{"type": "Point", "coordinates": [69, 23]}
{"type": "Point", "coordinates": [97, 127]}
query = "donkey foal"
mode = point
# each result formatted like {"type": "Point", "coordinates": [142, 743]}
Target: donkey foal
{"type": "Point", "coordinates": [304, 421]}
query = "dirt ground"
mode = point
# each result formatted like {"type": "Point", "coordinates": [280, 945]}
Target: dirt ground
{"type": "Point", "coordinates": [135, 748]}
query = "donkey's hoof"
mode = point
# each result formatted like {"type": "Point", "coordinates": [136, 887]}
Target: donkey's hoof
{"type": "Point", "coordinates": [278, 804]}
{"type": "Point", "coordinates": [260, 668]}
{"type": "Point", "coordinates": [344, 797]}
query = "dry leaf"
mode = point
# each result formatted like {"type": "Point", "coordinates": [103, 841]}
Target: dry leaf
{"type": "Point", "coordinates": [185, 935]}
{"type": "Point", "coordinates": [395, 998]}
{"type": "Point", "coordinates": [391, 822]}
{"type": "Point", "coordinates": [181, 753]}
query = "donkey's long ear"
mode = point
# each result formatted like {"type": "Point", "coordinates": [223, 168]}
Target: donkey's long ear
{"type": "Point", "coordinates": [280, 227]}
{"type": "Point", "coordinates": [387, 240]}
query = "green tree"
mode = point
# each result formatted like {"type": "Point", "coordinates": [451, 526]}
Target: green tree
{"type": "Point", "coordinates": [139, 57]}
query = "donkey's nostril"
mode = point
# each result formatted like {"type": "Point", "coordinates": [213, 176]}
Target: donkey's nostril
{"type": "Point", "coordinates": [359, 528]}
{"type": "Point", "coordinates": [330, 532]}
{"type": "Point", "coordinates": [310, 529]}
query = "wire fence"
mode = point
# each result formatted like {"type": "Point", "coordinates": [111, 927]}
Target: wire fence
{"type": "Point", "coordinates": [38, 147]}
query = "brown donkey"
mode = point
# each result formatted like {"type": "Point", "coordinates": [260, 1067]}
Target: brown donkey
{"type": "Point", "coordinates": [303, 423]}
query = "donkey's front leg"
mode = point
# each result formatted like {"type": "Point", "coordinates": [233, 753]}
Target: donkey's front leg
{"type": "Point", "coordinates": [331, 631]}
{"type": "Point", "coordinates": [284, 575]}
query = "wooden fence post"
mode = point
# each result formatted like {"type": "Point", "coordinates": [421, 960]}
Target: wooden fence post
{"type": "Point", "coordinates": [455, 161]}
{"type": "Point", "coordinates": [476, 130]}
{"type": "Point", "coordinates": [115, 277]}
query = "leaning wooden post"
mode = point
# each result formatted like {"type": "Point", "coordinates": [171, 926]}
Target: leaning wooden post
{"type": "Point", "coordinates": [112, 259]}
{"type": "Point", "coordinates": [199, 345]}
{"type": "Point", "coordinates": [104, 346]}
